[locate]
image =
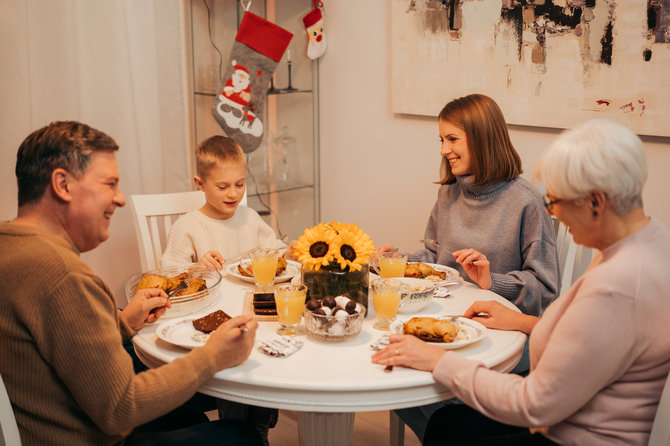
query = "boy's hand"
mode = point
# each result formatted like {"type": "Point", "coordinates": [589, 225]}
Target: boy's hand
{"type": "Point", "coordinates": [213, 259]}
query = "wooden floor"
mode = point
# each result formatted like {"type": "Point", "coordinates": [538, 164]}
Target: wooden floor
{"type": "Point", "coordinates": [370, 429]}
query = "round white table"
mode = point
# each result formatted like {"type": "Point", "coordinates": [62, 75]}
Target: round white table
{"type": "Point", "coordinates": [326, 383]}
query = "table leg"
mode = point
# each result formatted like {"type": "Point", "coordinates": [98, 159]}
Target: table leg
{"type": "Point", "coordinates": [325, 429]}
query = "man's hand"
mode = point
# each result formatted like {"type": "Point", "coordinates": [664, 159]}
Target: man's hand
{"type": "Point", "coordinates": [139, 312]}
{"type": "Point", "coordinates": [231, 343]}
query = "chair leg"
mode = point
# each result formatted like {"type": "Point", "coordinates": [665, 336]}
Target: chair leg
{"type": "Point", "coordinates": [396, 429]}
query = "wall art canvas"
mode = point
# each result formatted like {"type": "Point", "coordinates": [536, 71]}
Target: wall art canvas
{"type": "Point", "coordinates": [548, 63]}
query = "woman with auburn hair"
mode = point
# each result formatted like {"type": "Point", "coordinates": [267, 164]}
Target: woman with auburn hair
{"type": "Point", "coordinates": [489, 223]}
{"type": "Point", "coordinates": [599, 353]}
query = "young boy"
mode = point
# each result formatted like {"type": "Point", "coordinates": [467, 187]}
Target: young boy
{"type": "Point", "coordinates": [220, 230]}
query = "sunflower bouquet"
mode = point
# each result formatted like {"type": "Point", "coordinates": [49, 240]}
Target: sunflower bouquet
{"type": "Point", "coordinates": [335, 259]}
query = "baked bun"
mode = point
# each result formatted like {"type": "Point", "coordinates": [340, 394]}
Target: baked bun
{"type": "Point", "coordinates": [430, 329]}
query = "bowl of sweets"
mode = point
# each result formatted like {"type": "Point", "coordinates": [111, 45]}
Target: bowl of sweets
{"type": "Point", "coordinates": [333, 319]}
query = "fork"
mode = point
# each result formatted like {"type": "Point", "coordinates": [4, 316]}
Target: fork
{"type": "Point", "coordinates": [435, 244]}
{"type": "Point", "coordinates": [182, 285]}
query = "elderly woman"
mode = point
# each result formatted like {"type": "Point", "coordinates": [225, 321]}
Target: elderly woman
{"type": "Point", "coordinates": [599, 354]}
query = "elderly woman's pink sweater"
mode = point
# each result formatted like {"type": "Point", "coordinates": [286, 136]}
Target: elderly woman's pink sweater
{"type": "Point", "coordinates": [600, 354]}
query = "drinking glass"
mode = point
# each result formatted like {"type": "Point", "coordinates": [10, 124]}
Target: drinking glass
{"type": "Point", "coordinates": [391, 264]}
{"type": "Point", "coordinates": [386, 295]}
{"type": "Point", "coordinates": [290, 299]}
{"type": "Point", "coordinates": [264, 265]}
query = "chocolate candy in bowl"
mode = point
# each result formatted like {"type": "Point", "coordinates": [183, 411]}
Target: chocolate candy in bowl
{"type": "Point", "coordinates": [416, 295]}
{"type": "Point", "coordinates": [183, 303]}
{"type": "Point", "coordinates": [342, 322]}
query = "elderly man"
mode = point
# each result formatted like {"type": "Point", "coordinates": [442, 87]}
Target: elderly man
{"type": "Point", "coordinates": [63, 363]}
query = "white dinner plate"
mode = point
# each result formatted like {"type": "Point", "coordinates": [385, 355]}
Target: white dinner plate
{"type": "Point", "coordinates": [292, 269]}
{"type": "Point", "coordinates": [180, 332]}
{"type": "Point", "coordinates": [469, 332]}
{"type": "Point", "coordinates": [452, 278]}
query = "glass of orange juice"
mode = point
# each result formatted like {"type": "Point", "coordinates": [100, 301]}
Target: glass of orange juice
{"type": "Point", "coordinates": [290, 299]}
{"type": "Point", "coordinates": [263, 262]}
{"type": "Point", "coordinates": [391, 264]}
{"type": "Point", "coordinates": [386, 295]}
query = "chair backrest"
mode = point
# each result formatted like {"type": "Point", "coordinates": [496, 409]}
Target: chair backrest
{"type": "Point", "coordinates": [154, 215]}
{"type": "Point", "coordinates": [573, 259]}
{"type": "Point", "coordinates": [660, 430]}
{"type": "Point", "coordinates": [9, 431]}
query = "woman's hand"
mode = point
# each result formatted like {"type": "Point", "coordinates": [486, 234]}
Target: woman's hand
{"type": "Point", "coordinates": [231, 343]}
{"type": "Point", "coordinates": [213, 259]}
{"type": "Point", "coordinates": [492, 314]}
{"type": "Point", "coordinates": [146, 307]}
{"type": "Point", "coordinates": [409, 351]}
{"type": "Point", "coordinates": [385, 248]}
{"type": "Point", "coordinates": [476, 265]}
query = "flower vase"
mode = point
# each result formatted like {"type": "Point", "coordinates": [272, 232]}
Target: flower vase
{"type": "Point", "coordinates": [333, 281]}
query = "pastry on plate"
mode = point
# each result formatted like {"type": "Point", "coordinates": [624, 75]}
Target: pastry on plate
{"type": "Point", "coordinates": [431, 329]}
{"type": "Point", "coordinates": [210, 322]}
{"type": "Point", "coordinates": [422, 271]}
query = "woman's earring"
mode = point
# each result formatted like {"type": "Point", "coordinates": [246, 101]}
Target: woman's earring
{"type": "Point", "coordinates": [595, 213]}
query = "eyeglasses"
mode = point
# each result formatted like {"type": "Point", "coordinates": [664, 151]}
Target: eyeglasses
{"type": "Point", "coordinates": [549, 203]}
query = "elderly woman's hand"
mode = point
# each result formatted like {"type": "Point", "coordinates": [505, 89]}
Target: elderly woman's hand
{"type": "Point", "coordinates": [493, 314]}
{"type": "Point", "coordinates": [476, 265]}
{"type": "Point", "coordinates": [409, 351]}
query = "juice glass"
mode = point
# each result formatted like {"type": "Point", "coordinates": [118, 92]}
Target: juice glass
{"type": "Point", "coordinates": [391, 264]}
{"type": "Point", "coordinates": [386, 295]}
{"type": "Point", "coordinates": [264, 264]}
{"type": "Point", "coordinates": [290, 300]}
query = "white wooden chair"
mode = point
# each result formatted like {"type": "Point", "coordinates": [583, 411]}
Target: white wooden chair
{"type": "Point", "coordinates": [9, 431]}
{"type": "Point", "coordinates": [154, 215]}
{"type": "Point", "coordinates": [573, 259]}
{"type": "Point", "coordinates": [660, 431]}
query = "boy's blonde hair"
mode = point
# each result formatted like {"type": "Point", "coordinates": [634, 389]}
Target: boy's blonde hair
{"type": "Point", "coordinates": [214, 150]}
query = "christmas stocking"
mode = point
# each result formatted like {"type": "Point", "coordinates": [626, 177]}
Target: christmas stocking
{"type": "Point", "coordinates": [316, 36]}
{"type": "Point", "coordinates": [238, 109]}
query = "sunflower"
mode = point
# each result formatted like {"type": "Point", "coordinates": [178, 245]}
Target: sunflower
{"type": "Point", "coordinates": [314, 247]}
{"type": "Point", "coordinates": [352, 247]}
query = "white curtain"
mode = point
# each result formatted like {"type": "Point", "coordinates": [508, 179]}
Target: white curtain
{"type": "Point", "coordinates": [117, 65]}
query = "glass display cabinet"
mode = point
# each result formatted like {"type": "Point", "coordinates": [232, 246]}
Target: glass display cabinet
{"type": "Point", "coordinates": [283, 172]}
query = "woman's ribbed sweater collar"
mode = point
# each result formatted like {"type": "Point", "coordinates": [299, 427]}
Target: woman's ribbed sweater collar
{"type": "Point", "coordinates": [480, 191]}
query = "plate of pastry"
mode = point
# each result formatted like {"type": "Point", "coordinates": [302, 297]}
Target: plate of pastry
{"type": "Point", "coordinates": [448, 333]}
{"type": "Point", "coordinates": [286, 270]}
{"type": "Point", "coordinates": [441, 275]}
{"type": "Point", "coordinates": [191, 332]}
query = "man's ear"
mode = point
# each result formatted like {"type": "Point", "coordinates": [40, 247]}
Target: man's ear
{"type": "Point", "coordinates": [61, 184]}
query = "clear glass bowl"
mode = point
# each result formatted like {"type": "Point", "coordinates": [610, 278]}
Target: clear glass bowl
{"type": "Point", "coordinates": [332, 328]}
{"type": "Point", "coordinates": [188, 304]}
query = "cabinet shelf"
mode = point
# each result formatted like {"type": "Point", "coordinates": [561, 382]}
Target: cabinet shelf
{"type": "Point", "coordinates": [291, 205]}
{"type": "Point", "coordinates": [270, 92]}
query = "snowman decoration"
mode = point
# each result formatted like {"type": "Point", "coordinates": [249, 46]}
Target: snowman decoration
{"type": "Point", "coordinates": [235, 106]}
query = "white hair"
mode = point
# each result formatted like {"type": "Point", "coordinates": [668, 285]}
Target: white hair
{"type": "Point", "coordinates": [597, 155]}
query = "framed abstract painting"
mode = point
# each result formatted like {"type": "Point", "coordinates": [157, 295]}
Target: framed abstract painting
{"type": "Point", "coordinates": [547, 63]}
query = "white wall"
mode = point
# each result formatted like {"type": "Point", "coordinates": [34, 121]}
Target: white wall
{"type": "Point", "coordinates": [378, 168]}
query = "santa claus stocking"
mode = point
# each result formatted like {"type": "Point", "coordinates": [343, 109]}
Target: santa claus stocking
{"type": "Point", "coordinates": [238, 109]}
{"type": "Point", "coordinates": [316, 36]}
